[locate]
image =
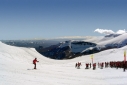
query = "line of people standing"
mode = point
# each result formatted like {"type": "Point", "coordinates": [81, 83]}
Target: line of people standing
{"type": "Point", "coordinates": [101, 65]}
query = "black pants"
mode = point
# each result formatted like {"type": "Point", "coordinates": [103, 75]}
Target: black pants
{"type": "Point", "coordinates": [34, 65]}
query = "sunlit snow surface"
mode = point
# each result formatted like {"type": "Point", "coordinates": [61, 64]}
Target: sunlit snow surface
{"type": "Point", "coordinates": [16, 68]}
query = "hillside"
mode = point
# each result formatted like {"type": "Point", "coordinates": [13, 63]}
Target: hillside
{"type": "Point", "coordinates": [65, 50]}
{"type": "Point", "coordinates": [109, 42]}
{"type": "Point", "coordinates": [16, 68]}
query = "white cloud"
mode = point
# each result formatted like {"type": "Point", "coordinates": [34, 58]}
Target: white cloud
{"type": "Point", "coordinates": [67, 37]}
{"type": "Point", "coordinates": [105, 31]}
{"type": "Point", "coordinates": [121, 31]}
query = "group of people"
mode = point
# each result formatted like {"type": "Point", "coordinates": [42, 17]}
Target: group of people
{"type": "Point", "coordinates": [101, 65]}
{"type": "Point", "coordinates": [118, 64]}
{"type": "Point", "coordinates": [77, 65]}
{"type": "Point", "coordinates": [88, 65]}
{"type": "Point", "coordinates": [114, 64]}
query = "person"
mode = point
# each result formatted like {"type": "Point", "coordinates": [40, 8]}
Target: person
{"type": "Point", "coordinates": [90, 65]}
{"type": "Point", "coordinates": [34, 62]}
{"type": "Point", "coordinates": [124, 66]}
{"type": "Point", "coordinates": [94, 66]}
{"type": "Point", "coordinates": [87, 66]}
{"type": "Point", "coordinates": [79, 64]}
{"type": "Point", "coordinates": [76, 65]}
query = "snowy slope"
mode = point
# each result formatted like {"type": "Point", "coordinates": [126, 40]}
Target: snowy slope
{"type": "Point", "coordinates": [109, 41]}
{"type": "Point", "coordinates": [120, 40]}
{"type": "Point", "coordinates": [16, 68]}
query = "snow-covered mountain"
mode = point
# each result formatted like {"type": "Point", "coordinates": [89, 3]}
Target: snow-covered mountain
{"type": "Point", "coordinates": [109, 42]}
{"type": "Point", "coordinates": [118, 41]}
{"type": "Point", "coordinates": [16, 68]}
{"type": "Point", "coordinates": [65, 50]}
{"type": "Point", "coordinates": [75, 48]}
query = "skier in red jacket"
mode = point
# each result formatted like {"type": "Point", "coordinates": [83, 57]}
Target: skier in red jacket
{"type": "Point", "coordinates": [34, 62]}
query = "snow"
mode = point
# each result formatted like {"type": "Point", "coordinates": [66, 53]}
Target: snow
{"type": "Point", "coordinates": [120, 40]}
{"type": "Point", "coordinates": [66, 43]}
{"type": "Point", "coordinates": [16, 68]}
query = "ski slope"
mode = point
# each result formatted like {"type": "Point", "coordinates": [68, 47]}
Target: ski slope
{"type": "Point", "coordinates": [16, 68]}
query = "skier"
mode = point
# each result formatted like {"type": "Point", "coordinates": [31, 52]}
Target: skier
{"type": "Point", "coordinates": [124, 66]}
{"type": "Point", "coordinates": [87, 66]}
{"type": "Point", "coordinates": [34, 62]}
{"type": "Point", "coordinates": [76, 65]}
{"type": "Point", "coordinates": [90, 65]}
{"type": "Point", "coordinates": [79, 64]}
{"type": "Point", "coordinates": [94, 66]}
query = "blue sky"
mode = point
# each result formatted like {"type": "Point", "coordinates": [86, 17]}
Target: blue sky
{"type": "Point", "coordinates": [28, 19]}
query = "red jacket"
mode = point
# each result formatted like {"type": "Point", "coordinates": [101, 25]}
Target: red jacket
{"type": "Point", "coordinates": [34, 61]}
